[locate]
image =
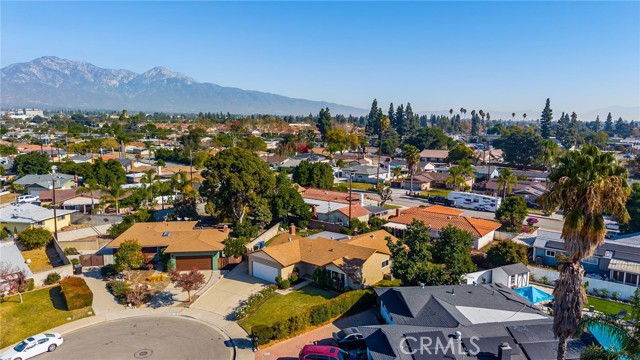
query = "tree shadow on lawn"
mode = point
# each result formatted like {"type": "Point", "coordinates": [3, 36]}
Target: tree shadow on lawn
{"type": "Point", "coordinates": [57, 299]}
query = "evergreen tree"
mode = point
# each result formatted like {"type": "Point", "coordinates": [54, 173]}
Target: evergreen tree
{"type": "Point", "coordinates": [622, 128]}
{"type": "Point", "coordinates": [562, 127]}
{"type": "Point", "coordinates": [475, 124]}
{"type": "Point", "coordinates": [571, 134]}
{"type": "Point", "coordinates": [597, 125]}
{"type": "Point", "coordinates": [372, 126]}
{"type": "Point", "coordinates": [392, 115]}
{"type": "Point", "coordinates": [608, 124]}
{"type": "Point", "coordinates": [324, 122]}
{"type": "Point", "coordinates": [411, 121]}
{"type": "Point", "coordinates": [545, 120]}
{"type": "Point", "coordinates": [399, 120]}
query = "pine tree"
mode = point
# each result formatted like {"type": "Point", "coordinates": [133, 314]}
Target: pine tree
{"type": "Point", "coordinates": [392, 114]}
{"type": "Point", "coordinates": [324, 121]}
{"type": "Point", "coordinates": [597, 125]}
{"type": "Point", "coordinates": [562, 127]}
{"type": "Point", "coordinates": [475, 124]}
{"type": "Point", "coordinates": [411, 121]}
{"type": "Point", "coordinates": [373, 119]}
{"type": "Point", "coordinates": [608, 124]}
{"type": "Point", "coordinates": [545, 120]}
{"type": "Point", "coordinates": [399, 118]}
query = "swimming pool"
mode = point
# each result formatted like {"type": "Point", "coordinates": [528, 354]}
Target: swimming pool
{"type": "Point", "coordinates": [600, 332]}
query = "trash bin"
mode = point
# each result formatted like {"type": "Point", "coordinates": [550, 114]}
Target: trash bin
{"type": "Point", "coordinates": [77, 270]}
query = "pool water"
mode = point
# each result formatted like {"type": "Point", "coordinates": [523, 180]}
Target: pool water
{"type": "Point", "coordinates": [599, 331]}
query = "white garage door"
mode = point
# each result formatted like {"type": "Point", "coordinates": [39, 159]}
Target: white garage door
{"type": "Point", "coordinates": [265, 272]}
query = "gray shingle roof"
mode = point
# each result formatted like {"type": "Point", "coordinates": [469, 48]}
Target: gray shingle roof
{"type": "Point", "coordinates": [515, 269]}
{"type": "Point", "coordinates": [44, 181]}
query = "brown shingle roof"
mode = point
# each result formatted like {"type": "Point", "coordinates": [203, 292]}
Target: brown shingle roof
{"type": "Point", "coordinates": [438, 221]}
{"type": "Point", "coordinates": [181, 237]}
{"type": "Point", "coordinates": [318, 252]}
{"type": "Point", "coordinates": [327, 195]}
{"type": "Point", "coordinates": [376, 240]}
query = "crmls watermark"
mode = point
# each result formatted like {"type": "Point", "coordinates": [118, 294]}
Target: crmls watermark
{"type": "Point", "coordinates": [426, 345]}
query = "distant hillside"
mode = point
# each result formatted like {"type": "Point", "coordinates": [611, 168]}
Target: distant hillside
{"type": "Point", "coordinates": [54, 83]}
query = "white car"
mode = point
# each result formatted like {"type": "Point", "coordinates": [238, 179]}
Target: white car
{"type": "Point", "coordinates": [26, 199]}
{"type": "Point", "coordinates": [32, 346]}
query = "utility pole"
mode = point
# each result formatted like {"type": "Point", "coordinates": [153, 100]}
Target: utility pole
{"type": "Point", "coordinates": [55, 217]}
{"type": "Point", "coordinates": [350, 193]}
{"type": "Point", "coordinates": [191, 165]}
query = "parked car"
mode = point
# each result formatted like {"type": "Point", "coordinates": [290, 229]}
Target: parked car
{"type": "Point", "coordinates": [321, 352]}
{"type": "Point", "coordinates": [350, 340]}
{"type": "Point", "coordinates": [533, 205]}
{"type": "Point", "coordinates": [440, 200]}
{"type": "Point", "coordinates": [22, 199]}
{"type": "Point", "coordinates": [32, 346]}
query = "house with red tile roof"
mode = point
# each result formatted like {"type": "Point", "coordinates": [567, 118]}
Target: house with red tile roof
{"type": "Point", "coordinates": [438, 217]}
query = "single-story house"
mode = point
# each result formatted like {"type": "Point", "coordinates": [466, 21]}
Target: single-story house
{"type": "Point", "coordinates": [532, 175]}
{"type": "Point", "coordinates": [20, 217]}
{"type": "Point", "coordinates": [341, 215]}
{"type": "Point", "coordinates": [34, 184]}
{"type": "Point", "coordinates": [189, 244]}
{"type": "Point", "coordinates": [615, 260]}
{"type": "Point", "coordinates": [429, 180]}
{"type": "Point", "coordinates": [352, 263]}
{"type": "Point", "coordinates": [529, 190]}
{"type": "Point", "coordinates": [437, 156]}
{"type": "Point", "coordinates": [365, 173]}
{"type": "Point", "coordinates": [438, 217]}
{"type": "Point", "coordinates": [485, 172]}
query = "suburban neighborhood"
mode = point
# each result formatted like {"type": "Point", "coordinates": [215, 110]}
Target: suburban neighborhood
{"type": "Point", "coordinates": [145, 214]}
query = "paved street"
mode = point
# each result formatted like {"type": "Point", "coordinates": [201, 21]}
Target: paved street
{"type": "Point", "coordinates": [144, 338]}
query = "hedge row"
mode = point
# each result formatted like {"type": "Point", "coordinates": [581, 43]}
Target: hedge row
{"type": "Point", "coordinates": [76, 293]}
{"type": "Point", "coordinates": [346, 303]}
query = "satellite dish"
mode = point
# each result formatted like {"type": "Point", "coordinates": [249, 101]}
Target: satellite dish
{"type": "Point", "coordinates": [178, 218]}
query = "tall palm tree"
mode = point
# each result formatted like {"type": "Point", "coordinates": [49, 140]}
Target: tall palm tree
{"type": "Point", "coordinates": [113, 195]}
{"type": "Point", "coordinates": [506, 181]}
{"type": "Point", "coordinates": [149, 177]}
{"type": "Point", "coordinates": [585, 184]}
{"type": "Point", "coordinates": [384, 125]}
{"type": "Point", "coordinates": [396, 171]}
{"type": "Point", "coordinates": [463, 111]}
{"type": "Point", "coordinates": [458, 174]}
{"type": "Point", "coordinates": [550, 150]}
{"type": "Point", "coordinates": [411, 155]}
{"type": "Point", "coordinates": [450, 112]}
{"type": "Point", "coordinates": [90, 186]}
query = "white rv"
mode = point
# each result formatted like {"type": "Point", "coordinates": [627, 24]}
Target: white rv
{"type": "Point", "coordinates": [475, 201]}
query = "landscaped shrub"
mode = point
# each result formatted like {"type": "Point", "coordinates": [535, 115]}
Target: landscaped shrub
{"type": "Point", "coordinates": [171, 264]}
{"type": "Point", "coordinates": [281, 329]}
{"type": "Point", "coordinates": [282, 283]}
{"type": "Point", "coordinates": [35, 238]}
{"type": "Point", "coordinates": [28, 285]}
{"type": "Point", "coordinates": [319, 314]}
{"type": "Point", "coordinates": [76, 293]}
{"type": "Point", "coordinates": [615, 295]}
{"type": "Point", "coordinates": [52, 278]}
{"type": "Point", "coordinates": [253, 301]}
{"type": "Point", "coordinates": [108, 271]}
{"type": "Point", "coordinates": [119, 290]}
{"type": "Point", "coordinates": [4, 234]}
{"type": "Point", "coordinates": [137, 296]}
{"type": "Point", "coordinates": [264, 333]}
{"type": "Point", "coordinates": [71, 251]}
{"type": "Point", "coordinates": [544, 279]}
{"type": "Point", "coordinates": [75, 262]}
{"type": "Point", "coordinates": [293, 278]}
{"type": "Point", "coordinates": [604, 293]}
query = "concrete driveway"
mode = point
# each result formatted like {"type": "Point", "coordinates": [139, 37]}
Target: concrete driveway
{"type": "Point", "coordinates": [227, 292]}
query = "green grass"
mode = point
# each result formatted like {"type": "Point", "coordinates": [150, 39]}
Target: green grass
{"type": "Point", "coordinates": [361, 186]}
{"type": "Point", "coordinates": [41, 310]}
{"type": "Point", "coordinates": [284, 306]}
{"type": "Point", "coordinates": [390, 206]}
{"type": "Point", "coordinates": [436, 192]}
{"type": "Point", "coordinates": [389, 283]}
{"type": "Point", "coordinates": [608, 307]}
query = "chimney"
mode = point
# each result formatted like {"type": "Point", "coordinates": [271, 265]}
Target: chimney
{"type": "Point", "coordinates": [314, 210]}
{"type": "Point", "coordinates": [398, 212]}
{"type": "Point", "coordinates": [225, 229]}
{"type": "Point", "coordinates": [132, 165]}
{"type": "Point", "coordinates": [159, 170]}
{"type": "Point", "coordinates": [361, 199]}
{"type": "Point", "coordinates": [75, 179]}
{"type": "Point", "coordinates": [504, 351]}
{"type": "Point", "coordinates": [292, 229]}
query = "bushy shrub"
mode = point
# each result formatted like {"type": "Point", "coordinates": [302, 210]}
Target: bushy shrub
{"type": "Point", "coordinates": [137, 296]}
{"type": "Point", "coordinates": [282, 283]}
{"type": "Point", "coordinates": [76, 293]}
{"type": "Point", "coordinates": [108, 271]}
{"type": "Point", "coordinates": [28, 285]}
{"type": "Point", "coordinates": [119, 290]}
{"type": "Point", "coordinates": [615, 295]}
{"type": "Point", "coordinates": [253, 301]}
{"type": "Point", "coordinates": [171, 264]}
{"type": "Point", "coordinates": [52, 278]}
{"type": "Point", "coordinates": [71, 251]}
{"type": "Point", "coordinates": [264, 333]}
{"type": "Point", "coordinates": [35, 238]}
{"type": "Point", "coordinates": [75, 261]}
{"type": "Point", "coordinates": [604, 293]}
{"type": "Point", "coordinates": [293, 278]}
{"type": "Point", "coordinates": [4, 234]}
{"type": "Point", "coordinates": [319, 314]}
{"type": "Point", "coordinates": [507, 253]}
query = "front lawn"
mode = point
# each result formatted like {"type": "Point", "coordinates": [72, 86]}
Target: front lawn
{"type": "Point", "coordinates": [608, 307]}
{"type": "Point", "coordinates": [281, 307]}
{"type": "Point", "coordinates": [362, 186]}
{"type": "Point", "coordinates": [39, 259]}
{"type": "Point", "coordinates": [388, 283]}
{"type": "Point", "coordinates": [41, 310]}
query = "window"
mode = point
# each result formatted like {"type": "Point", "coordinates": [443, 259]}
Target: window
{"type": "Point", "coordinates": [40, 223]}
{"type": "Point", "coordinates": [42, 341]}
{"type": "Point", "coordinates": [551, 253]}
{"type": "Point", "coordinates": [632, 279]}
{"type": "Point", "coordinates": [591, 260]}
{"type": "Point", "coordinates": [62, 217]}
{"type": "Point", "coordinates": [512, 280]}
{"type": "Point", "coordinates": [618, 276]}
{"type": "Point", "coordinates": [385, 263]}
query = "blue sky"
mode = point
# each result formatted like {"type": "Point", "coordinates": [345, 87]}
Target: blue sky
{"type": "Point", "coordinates": [500, 56]}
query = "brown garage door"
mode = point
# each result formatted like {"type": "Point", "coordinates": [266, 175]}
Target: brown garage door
{"type": "Point", "coordinates": [186, 263]}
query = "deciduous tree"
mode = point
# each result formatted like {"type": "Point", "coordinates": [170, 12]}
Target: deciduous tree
{"type": "Point", "coordinates": [188, 281]}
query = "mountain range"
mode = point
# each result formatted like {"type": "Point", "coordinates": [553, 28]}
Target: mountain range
{"type": "Point", "coordinates": [53, 83]}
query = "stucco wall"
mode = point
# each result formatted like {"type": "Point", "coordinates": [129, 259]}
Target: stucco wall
{"type": "Point", "coordinates": [484, 241]}
{"type": "Point", "coordinates": [372, 270]}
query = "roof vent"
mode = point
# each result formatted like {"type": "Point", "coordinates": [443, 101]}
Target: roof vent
{"type": "Point", "coordinates": [289, 239]}
{"type": "Point", "coordinates": [453, 291]}
{"type": "Point", "coordinates": [422, 285]}
{"type": "Point", "coordinates": [165, 234]}
{"type": "Point", "coordinates": [458, 335]}
{"type": "Point", "coordinates": [373, 236]}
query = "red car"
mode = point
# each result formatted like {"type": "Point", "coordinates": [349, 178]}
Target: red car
{"type": "Point", "coordinates": [319, 352]}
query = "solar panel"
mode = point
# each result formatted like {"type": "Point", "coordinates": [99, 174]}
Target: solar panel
{"type": "Point", "coordinates": [531, 333]}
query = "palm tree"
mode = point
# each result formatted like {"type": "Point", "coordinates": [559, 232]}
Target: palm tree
{"type": "Point", "coordinates": [524, 116]}
{"type": "Point", "coordinates": [450, 112]}
{"type": "Point", "coordinates": [90, 186]}
{"type": "Point", "coordinates": [411, 155]}
{"type": "Point", "coordinates": [458, 174]}
{"type": "Point", "coordinates": [396, 171]}
{"type": "Point", "coordinates": [550, 150]}
{"type": "Point", "coordinates": [149, 177]}
{"type": "Point", "coordinates": [148, 146]}
{"type": "Point", "coordinates": [585, 184]}
{"type": "Point", "coordinates": [179, 182]}
{"type": "Point", "coordinates": [384, 125]}
{"type": "Point", "coordinates": [513, 116]}
{"type": "Point", "coordinates": [114, 194]}
{"type": "Point", "coordinates": [506, 180]}
{"type": "Point", "coordinates": [463, 111]}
